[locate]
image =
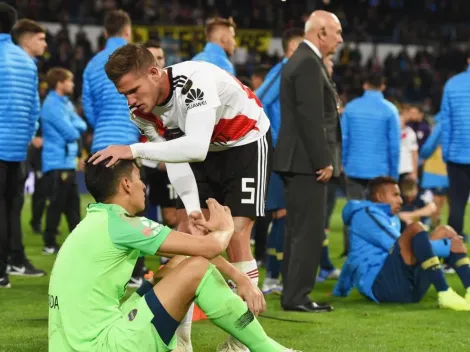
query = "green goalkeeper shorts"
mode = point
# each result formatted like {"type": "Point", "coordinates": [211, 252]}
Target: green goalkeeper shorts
{"type": "Point", "coordinates": [135, 330]}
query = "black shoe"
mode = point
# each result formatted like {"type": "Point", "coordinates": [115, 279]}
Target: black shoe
{"type": "Point", "coordinates": [49, 250]}
{"type": "Point", "coordinates": [311, 307]}
{"type": "Point", "coordinates": [4, 282]}
{"type": "Point", "coordinates": [25, 269]}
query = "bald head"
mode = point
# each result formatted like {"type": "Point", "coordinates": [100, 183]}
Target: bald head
{"type": "Point", "coordinates": [323, 29]}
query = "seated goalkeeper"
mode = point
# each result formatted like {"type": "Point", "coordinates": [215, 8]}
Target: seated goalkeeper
{"type": "Point", "coordinates": [95, 263]}
{"type": "Point", "coordinates": [388, 267]}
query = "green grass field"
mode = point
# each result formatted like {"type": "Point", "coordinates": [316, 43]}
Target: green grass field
{"type": "Point", "coordinates": [355, 325]}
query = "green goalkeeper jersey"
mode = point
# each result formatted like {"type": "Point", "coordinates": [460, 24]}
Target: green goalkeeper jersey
{"type": "Point", "coordinates": [91, 273]}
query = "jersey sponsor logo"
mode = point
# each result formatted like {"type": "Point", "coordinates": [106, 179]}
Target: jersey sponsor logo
{"type": "Point", "coordinates": [132, 314]}
{"type": "Point", "coordinates": [195, 99]}
{"type": "Point", "coordinates": [53, 302]}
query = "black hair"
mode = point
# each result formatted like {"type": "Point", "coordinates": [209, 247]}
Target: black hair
{"type": "Point", "coordinates": [374, 185]}
{"type": "Point", "coordinates": [8, 17]}
{"type": "Point", "coordinates": [290, 34]}
{"type": "Point", "coordinates": [101, 181]}
{"type": "Point", "coordinates": [375, 80]}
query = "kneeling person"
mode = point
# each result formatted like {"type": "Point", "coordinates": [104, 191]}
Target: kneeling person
{"type": "Point", "coordinates": [84, 305]}
{"type": "Point", "coordinates": [388, 267]}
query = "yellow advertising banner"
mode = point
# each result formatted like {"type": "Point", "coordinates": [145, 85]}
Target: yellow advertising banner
{"type": "Point", "coordinates": [191, 39]}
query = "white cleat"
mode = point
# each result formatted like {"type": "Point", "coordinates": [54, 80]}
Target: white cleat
{"type": "Point", "coordinates": [232, 345]}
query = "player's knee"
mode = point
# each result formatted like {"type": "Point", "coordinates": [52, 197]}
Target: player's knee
{"type": "Point", "coordinates": [243, 225]}
{"type": "Point", "coordinates": [196, 267]}
{"type": "Point", "coordinates": [414, 229]}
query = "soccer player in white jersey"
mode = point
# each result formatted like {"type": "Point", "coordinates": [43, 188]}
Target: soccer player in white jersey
{"type": "Point", "coordinates": [213, 134]}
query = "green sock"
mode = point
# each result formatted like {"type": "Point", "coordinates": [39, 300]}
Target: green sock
{"type": "Point", "coordinates": [228, 311]}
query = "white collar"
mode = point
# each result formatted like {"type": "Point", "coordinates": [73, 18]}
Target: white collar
{"type": "Point", "coordinates": [313, 47]}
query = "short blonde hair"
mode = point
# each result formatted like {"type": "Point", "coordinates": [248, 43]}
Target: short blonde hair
{"type": "Point", "coordinates": [217, 22]}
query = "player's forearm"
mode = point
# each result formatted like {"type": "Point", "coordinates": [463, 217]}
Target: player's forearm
{"type": "Point", "coordinates": [415, 162]}
{"type": "Point", "coordinates": [222, 238]}
{"type": "Point", "coordinates": [182, 178]}
{"type": "Point", "coordinates": [181, 150]}
{"type": "Point", "coordinates": [227, 268]}
{"type": "Point", "coordinates": [428, 210]}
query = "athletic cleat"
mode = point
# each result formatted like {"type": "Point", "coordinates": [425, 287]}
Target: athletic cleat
{"type": "Point", "coordinates": [448, 269]}
{"type": "Point", "coordinates": [4, 282]}
{"type": "Point", "coordinates": [232, 345]}
{"type": "Point", "coordinates": [467, 295]}
{"type": "Point", "coordinates": [135, 282]}
{"type": "Point", "coordinates": [271, 286]}
{"type": "Point", "coordinates": [451, 300]}
{"type": "Point", "coordinates": [332, 274]}
{"type": "Point", "coordinates": [50, 250]}
{"type": "Point", "coordinates": [27, 269]}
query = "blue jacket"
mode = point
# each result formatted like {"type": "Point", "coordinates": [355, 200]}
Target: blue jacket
{"type": "Point", "coordinates": [105, 109]}
{"type": "Point", "coordinates": [269, 94]}
{"type": "Point", "coordinates": [214, 54]}
{"type": "Point", "coordinates": [373, 231]}
{"type": "Point", "coordinates": [371, 137]}
{"type": "Point", "coordinates": [61, 128]}
{"type": "Point", "coordinates": [455, 117]}
{"type": "Point", "coordinates": [19, 100]}
{"type": "Point", "coordinates": [434, 168]}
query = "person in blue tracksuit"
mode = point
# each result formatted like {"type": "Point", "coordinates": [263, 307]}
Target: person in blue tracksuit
{"type": "Point", "coordinates": [31, 37]}
{"type": "Point", "coordinates": [371, 138]}
{"type": "Point", "coordinates": [386, 266]}
{"type": "Point", "coordinates": [269, 94]}
{"type": "Point", "coordinates": [455, 139]}
{"type": "Point", "coordinates": [19, 113]}
{"type": "Point", "coordinates": [221, 44]}
{"type": "Point", "coordinates": [61, 130]}
{"type": "Point", "coordinates": [105, 109]}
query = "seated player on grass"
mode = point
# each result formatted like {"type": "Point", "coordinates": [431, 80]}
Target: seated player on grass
{"type": "Point", "coordinates": [388, 267]}
{"type": "Point", "coordinates": [93, 267]}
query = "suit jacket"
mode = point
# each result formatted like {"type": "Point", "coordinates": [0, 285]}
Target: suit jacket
{"type": "Point", "coordinates": [310, 134]}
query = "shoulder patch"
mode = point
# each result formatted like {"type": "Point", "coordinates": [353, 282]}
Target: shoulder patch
{"type": "Point", "coordinates": [186, 87]}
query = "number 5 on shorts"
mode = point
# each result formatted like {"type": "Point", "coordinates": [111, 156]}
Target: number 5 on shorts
{"type": "Point", "coordinates": [246, 188]}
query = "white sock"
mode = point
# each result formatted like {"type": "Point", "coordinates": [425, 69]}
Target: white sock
{"type": "Point", "coordinates": [184, 329]}
{"type": "Point", "coordinates": [250, 268]}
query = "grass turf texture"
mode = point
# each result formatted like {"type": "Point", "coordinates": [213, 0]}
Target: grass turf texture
{"type": "Point", "coordinates": [355, 325]}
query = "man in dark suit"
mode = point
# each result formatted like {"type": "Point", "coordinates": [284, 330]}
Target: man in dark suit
{"type": "Point", "coordinates": [308, 154]}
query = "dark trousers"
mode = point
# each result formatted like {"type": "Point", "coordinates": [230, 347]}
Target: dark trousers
{"type": "Point", "coordinates": [38, 200]}
{"type": "Point", "coordinates": [11, 202]}
{"type": "Point", "coordinates": [64, 198]}
{"type": "Point", "coordinates": [459, 190]}
{"type": "Point", "coordinates": [304, 233]}
{"type": "Point", "coordinates": [260, 231]}
{"type": "Point", "coordinates": [331, 195]}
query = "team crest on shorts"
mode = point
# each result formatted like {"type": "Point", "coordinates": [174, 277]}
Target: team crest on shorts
{"type": "Point", "coordinates": [132, 314]}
